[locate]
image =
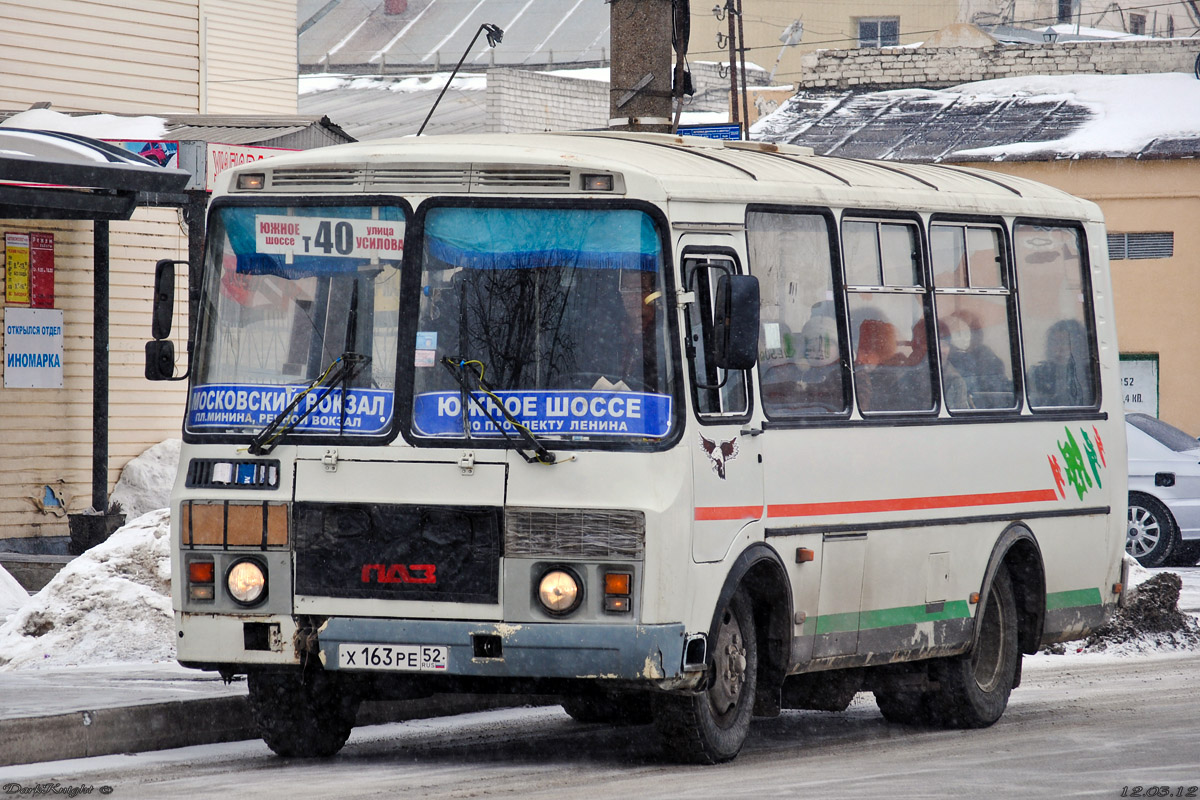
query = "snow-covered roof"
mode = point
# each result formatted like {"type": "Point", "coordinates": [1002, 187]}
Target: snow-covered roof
{"type": "Point", "coordinates": [1035, 117]}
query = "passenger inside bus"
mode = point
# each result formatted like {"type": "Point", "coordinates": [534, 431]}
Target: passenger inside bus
{"type": "Point", "coordinates": [1062, 378]}
{"type": "Point", "coordinates": [988, 379]}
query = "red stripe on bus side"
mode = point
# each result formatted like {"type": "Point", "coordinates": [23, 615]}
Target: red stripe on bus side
{"type": "Point", "coordinates": [911, 503]}
{"type": "Point", "coordinates": [709, 513]}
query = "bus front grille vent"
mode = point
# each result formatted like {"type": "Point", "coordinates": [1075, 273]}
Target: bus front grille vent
{"type": "Point", "coordinates": [418, 179]}
{"type": "Point", "coordinates": [526, 179]}
{"type": "Point", "coordinates": [551, 532]}
{"type": "Point", "coordinates": [316, 178]}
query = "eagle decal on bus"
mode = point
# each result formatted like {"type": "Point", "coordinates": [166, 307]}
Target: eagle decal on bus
{"type": "Point", "coordinates": [719, 453]}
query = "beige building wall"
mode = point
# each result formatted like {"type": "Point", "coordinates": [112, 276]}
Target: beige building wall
{"type": "Point", "coordinates": [149, 57]}
{"type": "Point", "coordinates": [1156, 299]}
{"type": "Point", "coordinates": [248, 57]}
{"type": "Point", "coordinates": [827, 24]}
{"type": "Point", "coordinates": [46, 434]}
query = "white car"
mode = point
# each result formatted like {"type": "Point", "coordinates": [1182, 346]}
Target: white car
{"type": "Point", "coordinates": [1164, 493]}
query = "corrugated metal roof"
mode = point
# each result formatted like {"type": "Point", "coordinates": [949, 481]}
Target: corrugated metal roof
{"type": "Point", "coordinates": [948, 125]}
{"type": "Point", "coordinates": [302, 132]}
{"type": "Point", "coordinates": [360, 36]}
{"type": "Point", "coordinates": [379, 113]}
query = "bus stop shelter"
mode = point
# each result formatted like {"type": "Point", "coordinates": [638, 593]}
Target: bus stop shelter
{"type": "Point", "coordinates": [47, 175]}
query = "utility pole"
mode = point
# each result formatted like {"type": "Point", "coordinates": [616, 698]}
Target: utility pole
{"type": "Point", "coordinates": [640, 70]}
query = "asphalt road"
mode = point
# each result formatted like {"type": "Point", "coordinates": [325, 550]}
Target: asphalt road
{"type": "Point", "coordinates": [1079, 726]}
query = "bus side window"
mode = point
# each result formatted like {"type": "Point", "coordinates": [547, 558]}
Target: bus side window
{"type": "Point", "coordinates": [802, 366]}
{"type": "Point", "coordinates": [1060, 350]}
{"type": "Point", "coordinates": [974, 333]}
{"type": "Point", "coordinates": [888, 326]}
{"type": "Point", "coordinates": [717, 392]}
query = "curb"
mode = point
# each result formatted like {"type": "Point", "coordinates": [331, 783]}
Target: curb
{"type": "Point", "coordinates": [183, 723]}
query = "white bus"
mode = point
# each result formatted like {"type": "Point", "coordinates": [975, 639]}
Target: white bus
{"type": "Point", "coordinates": [681, 431]}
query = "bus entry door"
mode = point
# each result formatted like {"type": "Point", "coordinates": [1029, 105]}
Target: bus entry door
{"type": "Point", "coordinates": [726, 454]}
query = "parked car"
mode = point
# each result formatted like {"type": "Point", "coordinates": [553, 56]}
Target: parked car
{"type": "Point", "coordinates": [1164, 493]}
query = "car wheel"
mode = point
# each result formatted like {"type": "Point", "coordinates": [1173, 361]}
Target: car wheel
{"type": "Point", "coordinates": [1151, 536]}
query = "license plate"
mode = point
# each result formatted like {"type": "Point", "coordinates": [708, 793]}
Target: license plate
{"type": "Point", "coordinates": [402, 657]}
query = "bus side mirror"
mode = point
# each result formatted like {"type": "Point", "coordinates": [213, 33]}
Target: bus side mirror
{"type": "Point", "coordinates": [735, 322]}
{"type": "Point", "coordinates": [164, 299]}
{"type": "Point", "coordinates": [160, 353]}
{"type": "Point", "coordinates": [160, 360]}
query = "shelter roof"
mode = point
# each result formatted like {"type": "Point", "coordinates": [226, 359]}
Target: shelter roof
{"type": "Point", "coordinates": [51, 175]}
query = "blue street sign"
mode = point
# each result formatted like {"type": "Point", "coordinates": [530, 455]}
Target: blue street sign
{"type": "Point", "coordinates": [712, 131]}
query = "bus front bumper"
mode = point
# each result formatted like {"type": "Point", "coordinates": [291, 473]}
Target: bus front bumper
{"type": "Point", "coordinates": [505, 650]}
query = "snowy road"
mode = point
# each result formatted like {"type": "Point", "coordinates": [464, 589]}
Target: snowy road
{"type": "Point", "coordinates": [1080, 725]}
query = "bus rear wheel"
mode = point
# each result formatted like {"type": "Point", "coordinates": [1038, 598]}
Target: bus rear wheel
{"type": "Point", "coordinates": [975, 687]}
{"type": "Point", "coordinates": [301, 715]}
{"type": "Point", "coordinates": [710, 727]}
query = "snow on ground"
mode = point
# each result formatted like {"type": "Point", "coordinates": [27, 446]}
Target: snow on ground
{"type": "Point", "coordinates": [12, 594]}
{"type": "Point", "coordinates": [111, 604]}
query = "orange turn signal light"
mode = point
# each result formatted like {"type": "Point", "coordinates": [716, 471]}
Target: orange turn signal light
{"type": "Point", "coordinates": [201, 571]}
{"type": "Point", "coordinates": [616, 582]}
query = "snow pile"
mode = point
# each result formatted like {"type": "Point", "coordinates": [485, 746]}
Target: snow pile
{"type": "Point", "coordinates": [111, 604]}
{"type": "Point", "coordinates": [146, 481]}
{"type": "Point", "coordinates": [12, 594]}
{"type": "Point", "coordinates": [1149, 620]}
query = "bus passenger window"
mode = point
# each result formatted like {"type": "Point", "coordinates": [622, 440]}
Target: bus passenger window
{"type": "Point", "coordinates": [1060, 353]}
{"type": "Point", "coordinates": [973, 300]}
{"type": "Point", "coordinates": [801, 364]}
{"type": "Point", "coordinates": [888, 325]}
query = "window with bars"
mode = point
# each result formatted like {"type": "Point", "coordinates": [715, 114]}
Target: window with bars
{"type": "Point", "coordinates": [879, 32]}
{"type": "Point", "coordinates": [1140, 245]}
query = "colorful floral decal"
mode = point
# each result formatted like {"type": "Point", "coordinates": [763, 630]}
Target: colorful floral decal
{"type": "Point", "coordinates": [1081, 463]}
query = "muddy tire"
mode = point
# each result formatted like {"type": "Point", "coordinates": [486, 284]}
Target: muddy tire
{"type": "Point", "coordinates": [974, 687]}
{"type": "Point", "coordinates": [610, 708]}
{"type": "Point", "coordinates": [710, 727]}
{"type": "Point", "coordinates": [301, 716]}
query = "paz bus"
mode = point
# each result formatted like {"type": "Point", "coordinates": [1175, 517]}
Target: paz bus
{"type": "Point", "coordinates": [681, 431]}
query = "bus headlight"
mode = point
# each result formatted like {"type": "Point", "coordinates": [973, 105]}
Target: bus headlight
{"type": "Point", "coordinates": [560, 592]}
{"type": "Point", "coordinates": [247, 581]}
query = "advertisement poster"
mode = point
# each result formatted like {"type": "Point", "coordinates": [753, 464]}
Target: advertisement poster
{"type": "Point", "coordinates": [33, 348]}
{"type": "Point", "coordinates": [16, 268]}
{"type": "Point", "coordinates": [41, 270]}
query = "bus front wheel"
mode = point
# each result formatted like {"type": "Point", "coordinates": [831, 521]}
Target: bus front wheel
{"type": "Point", "coordinates": [301, 715]}
{"type": "Point", "coordinates": [710, 727]}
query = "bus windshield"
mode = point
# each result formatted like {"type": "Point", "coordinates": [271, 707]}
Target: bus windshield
{"type": "Point", "coordinates": [558, 315]}
{"type": "Point", "coordinates": [290, 291]}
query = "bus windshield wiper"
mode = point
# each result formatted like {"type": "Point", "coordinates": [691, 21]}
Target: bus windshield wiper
{"type": "Point", "coordinates": [340, 371]}
{"type": "Point", "coordinates": [458, 368]}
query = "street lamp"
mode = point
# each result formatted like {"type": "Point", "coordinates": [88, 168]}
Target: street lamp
{"type": "Point", "coordinates": [494, 37]}
{"type": "Point", "coordinates": [1049, 36]}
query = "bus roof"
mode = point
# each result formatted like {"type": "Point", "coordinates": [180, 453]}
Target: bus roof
{"type": "Point", "coordinates": [657, 167]}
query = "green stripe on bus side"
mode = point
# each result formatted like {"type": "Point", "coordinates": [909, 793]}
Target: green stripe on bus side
{"type": "Point", "coordinates": [889, 617]}
{"type": "Point", "coordinates": [1073, 599]}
